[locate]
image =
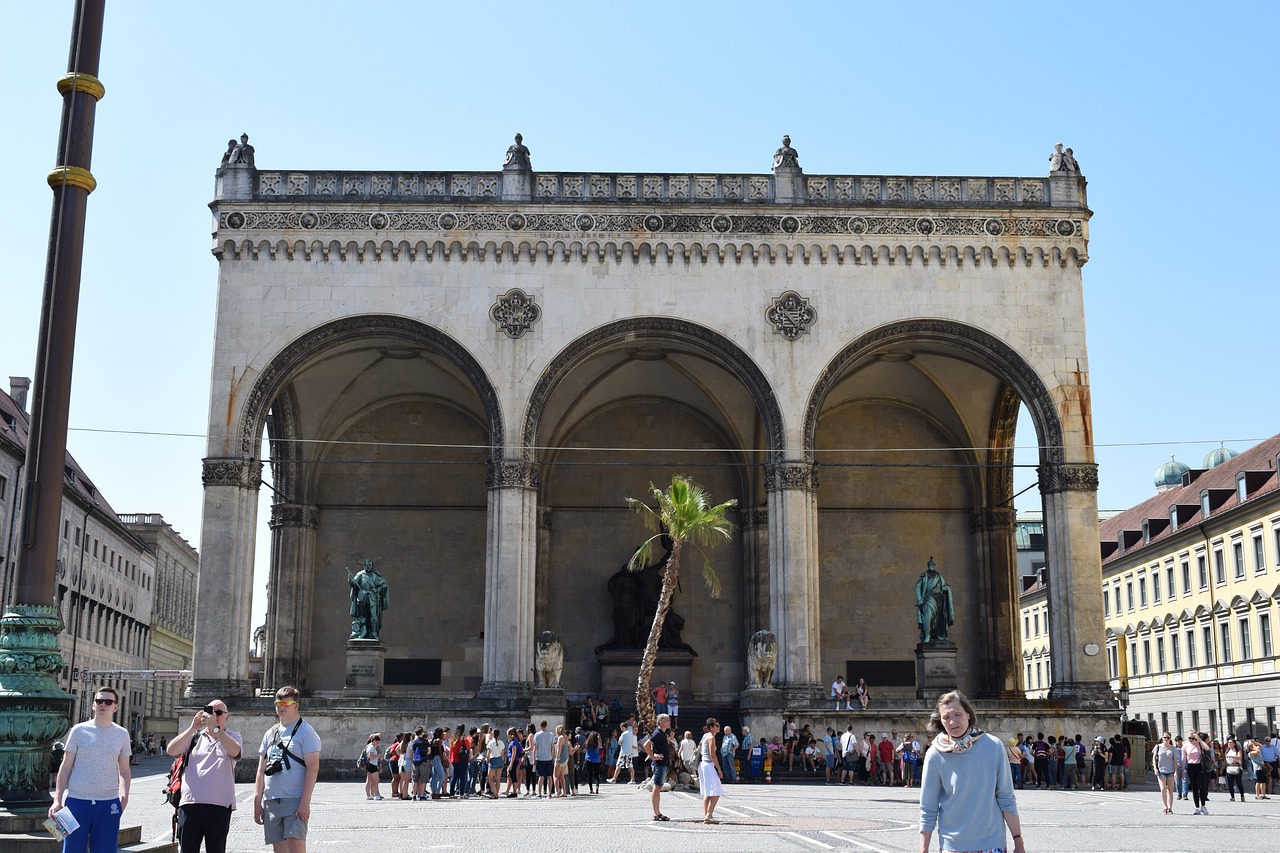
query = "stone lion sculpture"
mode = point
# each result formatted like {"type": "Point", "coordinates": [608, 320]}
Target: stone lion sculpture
{"type": "Point", "coordinates": [762, 657]}
{"type": "Point", "coordinates": [548, 661]}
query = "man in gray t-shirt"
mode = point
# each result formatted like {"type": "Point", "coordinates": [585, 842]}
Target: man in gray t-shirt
{"type": "Point", "coordinates": [288, 763]}
{"type": "Point", "coordinates": [94, 779]}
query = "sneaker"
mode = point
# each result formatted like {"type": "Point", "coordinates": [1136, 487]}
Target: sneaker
{"type": "Point", "coordinates": [1204, 810]}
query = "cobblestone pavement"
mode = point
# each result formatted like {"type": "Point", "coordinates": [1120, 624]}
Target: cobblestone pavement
{"type": "Point", "coordinates": [776, 819]}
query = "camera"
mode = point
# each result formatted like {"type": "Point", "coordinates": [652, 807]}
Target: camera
{"type": "Point", "coordinates": [273, 767]}
{"type": "Point", "coordinates": [208, 709]}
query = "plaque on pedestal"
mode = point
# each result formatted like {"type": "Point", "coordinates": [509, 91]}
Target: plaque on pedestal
{"type": "Point", "coordinates": [935, 669]}
{"type": "Point", "coordinates": [364, 667]}
{"type": "Point", "coordinates": [620, 668]}
{"type": "Point", "coordinates": [550, 704]}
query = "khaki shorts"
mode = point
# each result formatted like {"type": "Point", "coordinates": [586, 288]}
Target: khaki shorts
{"type": "Point", "coordinates": [280, 819]}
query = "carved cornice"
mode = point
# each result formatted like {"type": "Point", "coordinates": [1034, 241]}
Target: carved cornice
{"type": "Point", "coordinates": [722, 350]}
{"type": "Point", "coordinates": [293, 515]}
{"type": "Point", "coordinates": [512, 473]}
{"type": "Point", "coordinates": [246, 473]}
{"type": "Point", "coordinates": [249, 231]}
{"type": "Point", "coordinates": [791, 475]}
{"type": "Point", "coordinates": [1063, 477]}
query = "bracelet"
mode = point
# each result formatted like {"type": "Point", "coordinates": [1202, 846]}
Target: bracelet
{"type": "Point", "coordinates": [1017, 836]}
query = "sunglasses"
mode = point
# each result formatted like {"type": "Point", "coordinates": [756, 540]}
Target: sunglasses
{"type": "Point", "coordinates": [284, 703]}
{"type": "Point", "coordinates": [98, 701]}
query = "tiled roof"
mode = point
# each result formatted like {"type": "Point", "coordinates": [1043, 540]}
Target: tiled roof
{"type": "Point", "coordinates": [16, 426]}
{"type": "Point", "coordinates": [1260, 458]}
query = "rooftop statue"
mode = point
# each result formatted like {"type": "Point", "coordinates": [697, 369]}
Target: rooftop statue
{"type": "Point", "coordinates": [238, 153]}
{"type": "Point", "coordinates": [935, 612]}
{"type": "Point", "coordinates": [786, 157]}
{"type": "Point", "coordinates": [517, 159]}
{"type": "Point", "coordinates": [369, 600]}
{"type": "Point", "coordinates": [1063, 161]}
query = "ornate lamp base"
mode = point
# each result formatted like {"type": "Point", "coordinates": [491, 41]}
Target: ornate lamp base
{"type": "Point", "coordinates": [33, 708]}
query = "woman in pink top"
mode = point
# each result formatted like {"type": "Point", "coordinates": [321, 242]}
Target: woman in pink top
{"type": "Point", "coordinates": [1194, 751]}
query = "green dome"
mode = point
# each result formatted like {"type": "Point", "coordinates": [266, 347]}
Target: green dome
{"type": "Point", "coordinates": [1170, 473]}
{"type": "Point", "coordinates": [1218, 456]}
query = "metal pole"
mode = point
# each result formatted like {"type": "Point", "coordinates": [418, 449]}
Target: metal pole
{"type": "Point", "coordinates": [31, 700]}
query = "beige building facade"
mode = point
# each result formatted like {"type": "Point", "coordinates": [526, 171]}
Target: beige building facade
{"type": "Point", "coordinates": [173, 617]}
{"type": "Point", "coordinates": [461, 376]}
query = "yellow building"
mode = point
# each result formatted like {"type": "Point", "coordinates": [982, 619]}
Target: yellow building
{"type": "Point", "coordinates": [1190, 585]}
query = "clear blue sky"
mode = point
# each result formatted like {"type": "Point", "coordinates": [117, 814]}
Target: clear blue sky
{"type": "Point", "coordinates": [1171, 109]}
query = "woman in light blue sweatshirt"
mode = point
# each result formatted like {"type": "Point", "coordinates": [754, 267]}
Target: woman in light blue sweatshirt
{"type": "Point", "coordinates": [967, 790]}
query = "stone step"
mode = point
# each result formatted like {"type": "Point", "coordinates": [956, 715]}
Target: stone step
{"type": "Point", "coordinates": [129, 839]}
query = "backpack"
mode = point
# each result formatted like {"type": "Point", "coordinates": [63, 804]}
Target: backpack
{"type": "Point", "coordinates": [362, 759]}
{"type": "Point", "coordinates": [173, 785]}
{"type": "Point", "coordinates": [464, 752]}
{"type": "Point", "coordinates": [417, 752]}
{"type": "Point", "coordinates": [389, 754]}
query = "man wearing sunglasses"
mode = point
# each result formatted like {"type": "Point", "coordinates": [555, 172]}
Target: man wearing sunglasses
{"type": "Point", "coordinates": [288, 763]}
{"type": "Point", "coordinates": [209, 782]}
{"type": "Point", "coordinates": [93, 781]}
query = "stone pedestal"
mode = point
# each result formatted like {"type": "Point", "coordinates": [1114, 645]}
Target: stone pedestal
{"type": "Point", "coordinates": [935, 669]}
{"type": "Point", "coordinates": [789, 186]}
{"type": "Point", "coordinates": [619, 669]}
{"type": "Point", "coordinates": [364, 667]}
{"type": "Point", "coordinates": [517, 185]}
{"type": "Point", "coordinates": [550, 704]}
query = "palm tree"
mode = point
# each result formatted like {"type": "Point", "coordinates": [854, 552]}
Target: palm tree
{"type": "Point", "coordinates": [684, 516]}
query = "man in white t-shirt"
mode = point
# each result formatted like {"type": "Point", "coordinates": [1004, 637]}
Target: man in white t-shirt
{"type": "Point", "coordinates": [94, 779]}
{"type": "Point", "coordinates": [840, 693]}
{"type": "Point", "coordinates": [209, 782]}
{"type": "Point", "coordinates": [628, 749]}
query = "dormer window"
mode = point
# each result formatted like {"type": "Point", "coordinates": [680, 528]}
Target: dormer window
{"type": "Point", "coordinates": [1173, 519]}
{"type": "Point", "coordinates": [1204, 503]}
{"type": "Point", "coordinates": [1242, 489]}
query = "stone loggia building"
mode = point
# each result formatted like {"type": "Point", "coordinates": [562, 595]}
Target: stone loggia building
{"type": "Point", "coordinates": [462, 375]}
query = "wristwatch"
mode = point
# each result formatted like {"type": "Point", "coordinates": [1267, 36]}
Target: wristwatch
{"type": "Point", "coordinates": [217, 730]}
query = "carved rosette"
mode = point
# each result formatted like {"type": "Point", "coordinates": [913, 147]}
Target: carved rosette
{"type": "Point", "coordinates": [1065, 477]}
{"type": "Point", "coordinates": [512, 474]}
{"type": "Point", "coordinates": [223, 471]}
{"type": "Point", "coordinates": [791, 475]}
{"type": "Point", "coordinates": [515, 312]}
{"type": "Point", "coordinates": [791, 315]}
{"type": "Point", "coordinates": [33, 708]}
{"type": "Point", "coordinates": [293, 515]}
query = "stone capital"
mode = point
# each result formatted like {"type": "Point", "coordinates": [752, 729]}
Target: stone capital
{"type": "Point", "coordinates": [512, 474]}
{"type": "Point", "coordinates": [231, 471]}
{"type": "Point", "coordinates": [802, 476]}
{"type": "Point", "coordinates": [1068, 477]}
{"type": "Point", "coordinates": [293, 515]}
{"type": "Point", "coordinates": [993, 518]}
{"type": "Point", "coordinates": [755, 517]}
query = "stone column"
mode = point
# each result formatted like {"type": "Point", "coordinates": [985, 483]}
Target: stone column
{"type": "Point", "coordinates": [993, 531]}
{"type": "Point", "coordinates": [220, 666]}
{"type": "Point", "coordinates": [290, 595]}
{"type": "Point", "coordinates": [793, 577]}
{"type": "Point", "coordinates": [1074, 564]}
{"type": "Point", "coordinates": [755, 564]}
{"type": "Point", "coordinates": [510, 568]}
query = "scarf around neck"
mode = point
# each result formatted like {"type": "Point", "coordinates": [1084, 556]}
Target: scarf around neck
{"type": "Point", "coordinates": [946, 743]}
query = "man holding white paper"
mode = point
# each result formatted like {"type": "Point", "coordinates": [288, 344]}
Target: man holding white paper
{"type": "Point", "coordinates": [94, 779]}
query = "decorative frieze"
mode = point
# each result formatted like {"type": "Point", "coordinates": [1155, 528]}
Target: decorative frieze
{"type": "Point", "coordinates": [512, 473]}
{"type": "Point", "coordinates": [246, 473]}
{"type": "Point", "coordinates": [801, 476]}
{"type": "Point", "coordinates": [581, 222]}
{"type": "Point", "coordinates": [293, 515]}
{"type": "Point", "coordinates": [993, 518]}
{"type": "Point", "coordinates": [755, 517]}
{"type": "Point", "coordinates": [1067, 477]}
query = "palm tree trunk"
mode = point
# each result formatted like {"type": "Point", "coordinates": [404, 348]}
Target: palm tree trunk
{"type": "Point", "coordinates": [644, 698]}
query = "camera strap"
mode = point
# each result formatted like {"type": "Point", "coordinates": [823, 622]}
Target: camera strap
{"type": "Point", "coordinates": [284, 750]}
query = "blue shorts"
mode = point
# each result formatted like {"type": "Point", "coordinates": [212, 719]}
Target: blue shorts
{"type": "Point", "coordinates": [99, 825]}
{"type": "Point", "coordinates": [659, 775]}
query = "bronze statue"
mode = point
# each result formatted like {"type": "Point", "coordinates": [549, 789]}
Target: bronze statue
{"type": "Point", "coordinates": [368, 601]}
{"type": "Point", "coordinates": [935, 612]}
{"type": "Point", "coordinates": [635, 603]}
